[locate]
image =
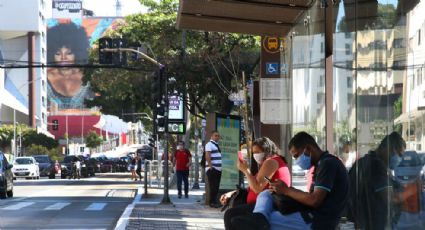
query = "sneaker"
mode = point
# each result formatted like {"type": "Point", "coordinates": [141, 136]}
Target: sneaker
{"type": "Point", "coordinates": [252, 221]}
{"type": "Point", "coordinates": [180, 196]}
{"type": "Point", "coordinates": [186, 196]}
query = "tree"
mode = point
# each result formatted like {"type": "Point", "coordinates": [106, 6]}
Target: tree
{"type": "Point", "coordinates": [93, 140]}
{"type": "Point", "coordinates": [207, 66]}
{"type": "Point", "coordinates": [6, 136]}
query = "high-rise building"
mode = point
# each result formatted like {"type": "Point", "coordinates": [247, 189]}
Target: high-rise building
{"type": "Point", "coordinates": [23, 56]}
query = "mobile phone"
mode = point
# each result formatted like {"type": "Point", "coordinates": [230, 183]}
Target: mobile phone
{"type": "Point", "coordinates": [240, 156]}
{"type": "Point", "coordinates": [268, 179]}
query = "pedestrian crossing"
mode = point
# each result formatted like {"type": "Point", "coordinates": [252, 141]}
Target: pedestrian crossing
{"type": "Point", "coordinates": [55, 206]}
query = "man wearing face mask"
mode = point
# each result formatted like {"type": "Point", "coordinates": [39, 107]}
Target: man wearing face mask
{"type": "Point", "coordinates": [182, 161]}
{"type": "Point", "coordinates": [320, 208]}
{"type": "Point", "coordinates": [373, 199]}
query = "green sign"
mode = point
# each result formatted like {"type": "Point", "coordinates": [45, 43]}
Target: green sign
{"type": "Point", "coordinates": [229, 129]}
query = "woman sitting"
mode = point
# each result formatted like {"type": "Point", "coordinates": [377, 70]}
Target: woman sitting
{"type": "Point", "coordinates": [271, 165]}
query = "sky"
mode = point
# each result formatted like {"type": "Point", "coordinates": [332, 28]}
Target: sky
{"type": "Point", "coordinates": [107, 7]}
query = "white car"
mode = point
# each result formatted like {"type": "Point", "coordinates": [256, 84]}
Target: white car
{"type": "Point", "coordinates": [25, 167]}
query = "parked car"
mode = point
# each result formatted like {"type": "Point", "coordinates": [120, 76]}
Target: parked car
{"type": "Point", "coordinates": [46, 166]}
{"type": "Point", "coordinates": [6, 177]}
{"type": "Point", "coordinates": [146, 152]}
{"type": "Point", "coordinates": [26, 167]}
{"type": "Point", "coordinates": [87, 167]}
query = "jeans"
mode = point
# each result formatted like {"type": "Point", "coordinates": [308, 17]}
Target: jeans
{"type": "Point", "coordinates": [214, 177]}
{"type": "Point", "coordinates": [182, 175]}
{"type": "Point", "coordinates": [276, 220]}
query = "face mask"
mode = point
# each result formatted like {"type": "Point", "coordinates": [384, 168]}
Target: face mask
{"type": "Point", "coordinates": [303, 161]}
{"type": "Point", "coordinates": [259, 157]}
{"type": "Point", "coordinates": [394, 161]}
{"type": "Point", "coordinates": [179, 147]}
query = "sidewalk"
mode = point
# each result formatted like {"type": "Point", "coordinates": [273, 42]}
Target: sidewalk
{"type": "Point", "coordinates": [184, 213]}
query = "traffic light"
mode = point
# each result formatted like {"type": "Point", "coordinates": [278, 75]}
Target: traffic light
{"type": "Point", "coordinates": [151, 141]}
{"type": "Point", "coordinates": [120, 57]}
{"type": "Point", "coordinates": [105, 57]}
{"type": "Point", "coordinates": [55, 124]}
{"type": "Point", "coordinates": [160, 118]}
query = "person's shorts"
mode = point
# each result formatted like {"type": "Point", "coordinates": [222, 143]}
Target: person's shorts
{"type": "Point", "coordinates": [131, 167]}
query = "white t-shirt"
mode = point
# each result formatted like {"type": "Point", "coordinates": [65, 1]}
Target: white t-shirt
{"type": "Point", "coordinates": [215, 155]}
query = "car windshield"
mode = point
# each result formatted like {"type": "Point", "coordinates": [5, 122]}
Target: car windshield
{"type": "Point", "coordinates": [24, 161]}
{"type": "Point", "coordinates": [41, 159]}
{"type": "Point", "coordinates": [68, 159]}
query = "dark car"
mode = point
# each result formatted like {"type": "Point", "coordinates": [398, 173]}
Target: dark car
{"type": "Point", "coordinates": [146, 152]}
{"type": "Point", "coordinates": [46, 165]}
{"type": "Point", "coordinates": [87, 167]}
{"type": "Point", "coordinates": [6, 178]}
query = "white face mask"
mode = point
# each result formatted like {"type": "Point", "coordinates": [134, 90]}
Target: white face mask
{"type": "Point", "coordinates": [179, 147]}
{"type": "Point", "coordinates": [259, 157]}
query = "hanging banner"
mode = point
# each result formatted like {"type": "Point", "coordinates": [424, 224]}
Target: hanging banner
{"type": "Point", "coordinates": [229, 128]}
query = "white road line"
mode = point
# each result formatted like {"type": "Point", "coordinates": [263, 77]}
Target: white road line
{"type": "Point", "coordinates": [18, 206]}
{"type": "Point", "coordinates": [95, 207]}
{"type": "Point", "coordinates": [57, 206]}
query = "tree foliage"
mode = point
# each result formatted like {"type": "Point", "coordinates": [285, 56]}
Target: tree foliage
{"type": "Point", "coordinates": [93, 140]}
{"type": "Point", "coordinates": [207, 66]}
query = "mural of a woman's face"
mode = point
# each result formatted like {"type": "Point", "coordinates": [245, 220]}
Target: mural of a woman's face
{"type": "Point", "coordinates": [64, 56]}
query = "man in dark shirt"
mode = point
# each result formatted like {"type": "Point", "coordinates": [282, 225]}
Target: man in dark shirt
{"type": "Point", "coordinates": [321, 208]}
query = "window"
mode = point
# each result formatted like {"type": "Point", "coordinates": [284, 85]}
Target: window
{"type": "Point", "coordinates": [322, 47]}
{"type": "Point", "coordinates": [347, 49]}
{"type": "Point", "coordinates": [81, 149]}
{"type": "Point", "coordinates": [398, 43]}
{"type": "Point", "coordinates": [419, 37]}
{"type": "Point", "coordinates": [347, 35]}
{"type": "Point", "coordinates": [43, 52]}
{"type": "Point", "coordinates": [349, 82]}
{"type": "Point", "coordinates": [320, 98]}
{"type": "Point", "coordinates": [349, 98]}
{"type": "Point", "coordinates": [321, 81]}
{"type": "Point", "coordinates": [43, 101]}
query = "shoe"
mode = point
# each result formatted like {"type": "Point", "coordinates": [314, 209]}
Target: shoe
{"type": "Point", "coordinates": [252, 221]}
{"type": "Point", "coordinates": [186, 196]}
{"type": "Point", "coordinates": [215, 205]}
{"type": "Point", "coordinates": [180, 196]}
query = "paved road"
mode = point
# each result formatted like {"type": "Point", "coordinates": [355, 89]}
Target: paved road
{"type": "Point", "coordinates": [93, 203]}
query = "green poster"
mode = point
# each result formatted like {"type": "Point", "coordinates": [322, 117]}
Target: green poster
{"type": "Point", "coordinates": [229, 129]}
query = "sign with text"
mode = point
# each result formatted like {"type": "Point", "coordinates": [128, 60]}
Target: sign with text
{"type": "Point", "coordinates": [175, 107]}
{"type": "Point", "coordinates": [67, 8]}
{"type": "Point", "coordinates": [229, 128]}
{"type": "Point", "coordinates": [176, 127]}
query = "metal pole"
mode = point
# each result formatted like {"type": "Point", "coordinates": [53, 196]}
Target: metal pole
{"type": "Point", "coordinates": [196, 182]}
{"type": "Point", "coordinates": [14, 132]}
{"type": "Point", "coordinates": [166, 198]}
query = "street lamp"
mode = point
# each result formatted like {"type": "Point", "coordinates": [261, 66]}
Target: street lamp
{"type": "Point", "coordinates": [14, 115]}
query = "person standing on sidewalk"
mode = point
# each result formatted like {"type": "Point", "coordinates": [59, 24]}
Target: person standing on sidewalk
{"type": "Point", "coordinates": [182, 161]}
{"type": "Point", "coordinates": [139, 167]}
{"type": "Point", "coordinates": [213, 167]}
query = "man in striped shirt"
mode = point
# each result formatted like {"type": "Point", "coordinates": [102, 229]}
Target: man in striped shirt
{"type": "Point", "coordinates": [213, 160]}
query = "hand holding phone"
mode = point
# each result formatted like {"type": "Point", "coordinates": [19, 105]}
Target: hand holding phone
{"type": "Point", "coordinates": [240, 156]}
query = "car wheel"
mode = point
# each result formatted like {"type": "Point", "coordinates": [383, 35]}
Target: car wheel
{"type": "Point", "coordinates": [3, 193]}
{"type": "Point", "coordinates": [10, 193]}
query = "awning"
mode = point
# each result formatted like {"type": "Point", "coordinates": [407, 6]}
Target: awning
{"type": "Point", "coordinates": [409, 116]}
{"type": "Point", "coordinates": [112, 124]}
{"type": "Point", "coordinates": [9, 100]}
{"type": "Point", "coordinates": [257, 17]}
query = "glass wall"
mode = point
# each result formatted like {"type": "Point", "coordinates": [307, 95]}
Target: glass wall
{"type": "Point", "coordinates": [378, 103]}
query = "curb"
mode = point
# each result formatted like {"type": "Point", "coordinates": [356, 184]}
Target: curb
{"type": "Point", "coordinates": [125, 217]}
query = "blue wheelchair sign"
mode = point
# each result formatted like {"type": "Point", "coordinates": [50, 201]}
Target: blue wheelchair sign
{"type": "Point", "coordinates": [272, 68]}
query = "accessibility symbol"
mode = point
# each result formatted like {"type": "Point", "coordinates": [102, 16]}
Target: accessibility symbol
{"type": "Point", "coordinates": [272, 68]}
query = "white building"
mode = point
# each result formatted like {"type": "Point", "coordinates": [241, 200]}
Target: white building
{"type": "Point", "coordinates": [22, 38]}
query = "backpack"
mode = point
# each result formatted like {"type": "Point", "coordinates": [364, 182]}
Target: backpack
{"type": "Point", "coordinates": [203, 162]}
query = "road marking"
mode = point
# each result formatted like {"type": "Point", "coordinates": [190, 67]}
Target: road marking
{"type": "Point", "coordinates": [57, 206]}
{"type": "Point", "coordinates": [95, 207]}
{"type": "Point", "coordinates": [18, 206]}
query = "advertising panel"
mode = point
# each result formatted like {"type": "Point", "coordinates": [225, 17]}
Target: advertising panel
{"type": "Point", "coordinates": [175, 107]}
{"type": "Point", "coordinates": [68, 44]}
{"type": "Point", "coordinates": [229, 128]}
{"type": "Point", "coordinates": [67, 8]}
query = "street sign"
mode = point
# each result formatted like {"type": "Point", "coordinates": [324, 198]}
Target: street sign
{"type": "Point", "coordinates": [176, 127]}
{"type": "Point", "coordinates": [272, 68]}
